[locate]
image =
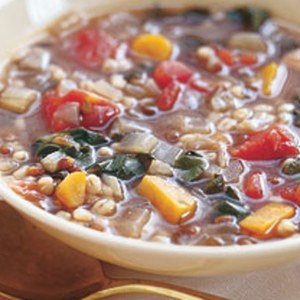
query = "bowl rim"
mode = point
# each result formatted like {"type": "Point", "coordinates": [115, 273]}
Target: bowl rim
{"type": "Point", "coordinates": [77, 231]}
{"type": "Point", "coordinates": [66, 226]}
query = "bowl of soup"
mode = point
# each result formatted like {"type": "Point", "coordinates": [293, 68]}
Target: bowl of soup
{"type": "Point", "coordinates": [162, 138]}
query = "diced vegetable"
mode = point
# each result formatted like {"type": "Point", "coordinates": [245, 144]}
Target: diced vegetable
{"type": "Point", "coordinates": [17, 99]}
{"type": "Point", "coordinates": [123, 166]}
{"type": "Point", "coordinates": [248, 41]}
{"type": "Point", "coordinates": [269, 73]}
{"type": "Point", "coordinates": [215, 185]}
{"type": "Point", "coordinates": [76, 143]}
{"type": "Point", "coordinates": [262, 221]}
{"type": "Point", "coordinates": [168, 71]}
{"type": "Point", "coordinates": [234, 208]}
{"type": "Point", "coordinates": [37, 59]}
{"type": "Point", "coordinates": [250, 17]}
{"type": "Point", "coordinates": [83, 136]}
{"type": "Point", "coordinates": [233, 171]}
{"type": "Point", "coordinates": [289, 193]}
{"type": "Point", "coordinates": [191, 167]}
{"type": "Point", "coordinates": [232, 193]}
{"type": "Point", "coordinates": [172, 201]}
{"type": "Point", "coordinates": [167, 153]}
{"type": "Point", "coordinates": [93, 111]}
{"type": "Point", "coordinates": [138, 142]}
{"type": "Point", "coordinates": [28, 190]}
{"type": "Point", "coordinates": [50, 162]}
{"type": "Point", "coordinates": [169, 96]}
{"type": "Point", "coordinates": [158, 167]}
{"type": "Point", "coordinates": [71, 191]}
{"type": "Point", "coordinates": [90, 46]}
{"type": "Point", "coordinates": [291, 166]}
{"type": "Point", "coordinates": [131, 222]}
{"type": "Point", "coordinates": [154, 46]}
{"type": "Point", "coordinates": [273, 143]}
{"type": "Point", "coordinates": [254, 185]}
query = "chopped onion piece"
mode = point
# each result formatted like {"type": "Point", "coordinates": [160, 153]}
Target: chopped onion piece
{"type": "Point", "coordinates": [38, 59]}
{"type": "Point", "coordinates": [138, 142]}
{"type": "Point", "coordinates": [131, 221]}
{"type": "Point", "coordinates": [69, 113]}
{"type": "Point", "coordinates": [17, 99]}
{"type": "Point", "coordinates": [51, 161]}
{"type": "Point", "coordinates": [167, 153]}
{"type": "Point", "coordinates": [125, 126]}
{"type": "Point", "coordinates": [65, 86]}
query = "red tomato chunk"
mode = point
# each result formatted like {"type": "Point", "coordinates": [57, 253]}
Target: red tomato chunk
{"type": "Point", "coordinates": [168, 71]}
{"type": "Point", "coordinates": [254, 185]}
{"type": "Point", "coordinates": [77, 108]}
{"type": "Point", "coordinates": [273, 143]}
{"type": "Point", "coordinates": [169, 96]}
{"type": "Point", "coordinates": [90, 46]}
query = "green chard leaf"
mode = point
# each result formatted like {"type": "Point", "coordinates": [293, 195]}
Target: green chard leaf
{"type": "Point", "coordinates": [215, 185]}
{"type": "Point", "coordinates": [231, 207]}
{"type": "Point", "coordinates": [79, 144]}
{"type": "Point", "coordinates": [190, 167]}
{"type": "Point", "coordinates": [123, 166]}
{"type": "Point", "coordinates": [231, 193]}
{"type": "Point", "coordinates": [83, 136]}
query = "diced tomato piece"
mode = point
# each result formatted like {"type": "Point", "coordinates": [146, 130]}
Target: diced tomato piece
{"type": "Point", "coordinates": [226, 57]}
{"type": "Point", "coordinates": [254, 185]}
{"type": "Point", "coordinates": [169, 71]}
{"type": "Point", "coordinates": [28, 190]}
{"type": "Point", "coordinates": [248, 59]}
{"type": "Point", "coordinates": [273, 143]}
{"type": "Point", "coordinates": [291, 193]}
{"type": "Point", "coordinates": [93, 111]}
{"type": "Point", "coordinates": [90, 46]}
{"type": "Point", "coordinates": [169, 96]}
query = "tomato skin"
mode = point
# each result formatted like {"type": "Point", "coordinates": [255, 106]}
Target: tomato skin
{"type": "Point", "coordinates": [169, 96]}
{"type": "Point", "coordinates": [169, 71]}
{"type": "Point", "coordinates": [90, 46]}
{"type": "Point", "coordinates": [273, 143]}
{"type": "Point", "coordinates": [291, 193]}
{"type": "Point", "coordinates": [254, 186]}
{"type": "Point", "coordinates": [94, 111]}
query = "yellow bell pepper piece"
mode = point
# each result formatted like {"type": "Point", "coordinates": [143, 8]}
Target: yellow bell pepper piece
{"type": "Point", "coordinates": [172, 201]}
{"type": "Point", "coordinates": [261, 222]}
{"type": "Point", "coordinates": [71, 191]}
{"type": "Point", "coordinates": [269, 73]}
{"type": "Point", "coordinates": [154, 46]}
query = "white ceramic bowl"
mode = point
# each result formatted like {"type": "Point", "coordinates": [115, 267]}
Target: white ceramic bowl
{"type": "Point", "coordinates": [135, 254]}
